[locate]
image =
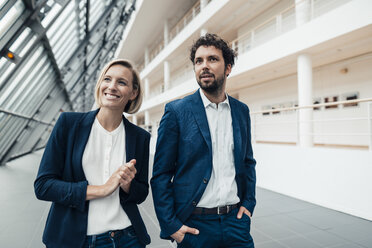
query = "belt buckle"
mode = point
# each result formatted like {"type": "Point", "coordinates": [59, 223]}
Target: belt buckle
{"type": "Point", "coordinates": [220, 209]}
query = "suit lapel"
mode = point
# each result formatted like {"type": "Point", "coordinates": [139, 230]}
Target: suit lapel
{"type": "Point", "coordinates": [81, 138]}
{"type": "Point", "coordinates": [201, 118]}
{"type": "Point", "coordinates": [130, 140]}
{"type": "Point", "coordinates": [236, 131]}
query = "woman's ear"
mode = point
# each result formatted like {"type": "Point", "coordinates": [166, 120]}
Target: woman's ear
{"type": "Point", "coordinates": [134, 94]}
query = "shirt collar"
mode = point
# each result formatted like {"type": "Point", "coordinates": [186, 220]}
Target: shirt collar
{"type": "Point", "coordinates": [206, 101]}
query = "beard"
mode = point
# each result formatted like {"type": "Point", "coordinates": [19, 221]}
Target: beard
{"type": "Point", "coordinates": [213, 87]}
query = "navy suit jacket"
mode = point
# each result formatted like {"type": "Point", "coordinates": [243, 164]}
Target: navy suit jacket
{"type": "Point", "coordinates": [61, 180]}
{"type": "Point", "coordinates": [183, 160]}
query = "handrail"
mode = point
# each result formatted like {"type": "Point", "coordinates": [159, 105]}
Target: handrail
{"type": "Point", "coordinates": [194, 10]}
{"type": "Point", "coordinates": [264, 23]}
{"type": "Point", "coordinates": [24, 116]}
{"type": "Point", "coordinates": [312, 106]}
{"type": "Point", "coordinates": [275, 18]}
{"type": "Point", "coordinates": [260, 132]}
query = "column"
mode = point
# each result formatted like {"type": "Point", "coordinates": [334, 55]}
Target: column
{"type": "Point", "coordinates": [203, 4]}
{"type": "Point", "coordinates": [305, 92]}
{"type": "Point", "coordinates": [147, 121]}
{"type": "Point", "coordinates": [203, 31]}
{"type": "Point", "coordinates": [166, 75]}
{"type": "Point", "coordinates": [147, 89]}
{"type": "Point", "coordinates": [166, 33]}
{"type": "Point", "coordinates": [147, 56]}
{"type": "Point", "coordinates": [303, 12]}
{"type": "Point", "coordinates": [134, 119]}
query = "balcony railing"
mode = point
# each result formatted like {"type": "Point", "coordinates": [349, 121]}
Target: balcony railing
{"type": "Point", "coordinates": [350, 128]}
{"type": "Point", "coordinates": [280, 24]}
{"type": "Point", "coordinates": [187, 18]}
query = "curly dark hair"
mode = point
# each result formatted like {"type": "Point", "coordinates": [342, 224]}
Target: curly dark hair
{"type": "Point", "coordinates": [228, 54]}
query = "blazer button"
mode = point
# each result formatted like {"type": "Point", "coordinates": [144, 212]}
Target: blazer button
{"type": "Point", "coordinates": [194, 203]}
{"type": "Point", "coordinates": [205, 180]}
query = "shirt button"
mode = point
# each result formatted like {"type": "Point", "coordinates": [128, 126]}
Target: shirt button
{"type": "Point", "coordinates": [205, 180]}
{"type": "Point", "coordinates": [194, 203]}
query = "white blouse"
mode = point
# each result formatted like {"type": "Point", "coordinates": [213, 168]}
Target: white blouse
{"type": "Point", "coordinates": [103, 155]}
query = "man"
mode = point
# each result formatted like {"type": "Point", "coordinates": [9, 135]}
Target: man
{"type": "Point", "coordinates": [204, 176]}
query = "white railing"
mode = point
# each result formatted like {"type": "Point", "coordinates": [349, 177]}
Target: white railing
{"type": "Point", "coordinates": [156, 89]}
{"type": "Point", "coordinates": [351, 128]}
{"type": "Point", "coordinates": [180, 76]}
{"type": "Point", "coordinates": [187, 18]}
{"type": "Point", "coordinates": [155, 51]}
{"type": "Point", "coordinates": [281, 23]}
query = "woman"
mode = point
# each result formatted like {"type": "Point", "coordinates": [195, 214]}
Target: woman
{"type": "Point", "coordinates": [83, 172]}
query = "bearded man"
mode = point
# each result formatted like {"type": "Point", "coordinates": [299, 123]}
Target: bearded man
{"type": "Point", "coordinates": [204, 177]}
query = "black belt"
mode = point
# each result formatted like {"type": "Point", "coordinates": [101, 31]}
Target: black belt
{"type": "Point", "coordinates": [217, 210]}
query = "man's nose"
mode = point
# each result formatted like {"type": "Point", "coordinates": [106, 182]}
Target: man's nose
{"type": "Point", "coordinates": [205, 65]}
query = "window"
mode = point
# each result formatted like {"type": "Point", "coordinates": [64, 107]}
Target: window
{"type": "Point", "coordinates": [350, 97]}
{"type": "Point", "coordinates": [11, 17]}
{"type": "Point", "coordinates": [276, 106]}
{"type": "Point", "coordinates": [317, 101]}
{"type": "Point", "coordinates": [331, 99]}
{"type": "Point", "coordinates": [264, 108]}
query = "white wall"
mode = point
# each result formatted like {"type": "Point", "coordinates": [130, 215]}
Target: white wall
{"type": "Point", "coordinates": [339, 179]}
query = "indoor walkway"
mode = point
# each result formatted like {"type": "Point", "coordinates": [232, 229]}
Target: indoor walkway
{"type": "Point", "coordinates": [279, 221]}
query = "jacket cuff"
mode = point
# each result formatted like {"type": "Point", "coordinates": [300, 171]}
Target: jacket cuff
{"type": "Point", "coordinates": [249, 206]}
{"type": "Point", "coordinates": [170, 228]}
{"type": "Point", "coordinates": [80, 195]}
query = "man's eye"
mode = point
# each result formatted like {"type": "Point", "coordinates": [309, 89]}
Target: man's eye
{"type": "Point", "coordinates": [198, 61]}
{"type": "Point", "coordinates": [213, 59]}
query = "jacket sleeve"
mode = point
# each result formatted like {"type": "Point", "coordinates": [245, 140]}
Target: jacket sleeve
{"type": "Point", "coordinates": [139, 188]}
{"type": "Point", "coordinates": [50, 184]}
{"type": "Point", "coordinates": [163, 171]}
{"type": "Point", "coordinates": [249, 201]}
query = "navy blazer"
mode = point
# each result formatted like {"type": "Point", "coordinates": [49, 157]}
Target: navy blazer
{"type": "Point", "coordinates": [61, 180]}
{"type": "Point", "coordinates": [183, 160]}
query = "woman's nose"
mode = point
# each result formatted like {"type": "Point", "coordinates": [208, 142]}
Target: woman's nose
{"type": "Point", "coordinates": [112, 85]}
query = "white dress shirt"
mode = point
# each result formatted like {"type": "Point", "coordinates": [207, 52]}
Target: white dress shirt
{"type": "Point", "coordinates": [103, 155]}
{"type": "Point", "coordinates": [222, 188]}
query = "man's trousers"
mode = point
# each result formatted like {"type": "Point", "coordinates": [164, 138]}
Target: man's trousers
{"type": "Point", "coordinates": [218, 231]}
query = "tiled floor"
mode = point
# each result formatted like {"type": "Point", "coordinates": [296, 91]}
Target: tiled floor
{"type": "Point", "coordinates": [279, 221]}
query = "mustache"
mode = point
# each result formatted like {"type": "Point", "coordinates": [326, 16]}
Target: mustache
{"type": "Point", "coordinates": [206, 74]}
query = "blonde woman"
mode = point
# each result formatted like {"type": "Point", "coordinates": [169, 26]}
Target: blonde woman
{"type": "Point", "coordinates": [95, 169]}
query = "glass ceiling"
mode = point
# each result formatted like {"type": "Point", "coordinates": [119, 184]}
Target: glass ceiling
{"type": "Point", "coordinates": [51, 54]}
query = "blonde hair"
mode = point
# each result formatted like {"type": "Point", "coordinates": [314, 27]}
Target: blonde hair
{"type": "Point", "coordinates": [132, 105]}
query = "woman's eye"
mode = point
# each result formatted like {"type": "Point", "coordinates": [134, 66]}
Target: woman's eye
{"type": "Point", "coordinates": [122, 82]}
{"type": "Point", "coordinates": [106, 79]}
